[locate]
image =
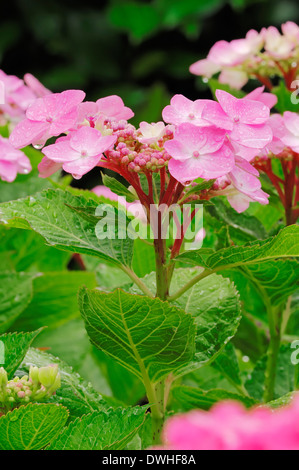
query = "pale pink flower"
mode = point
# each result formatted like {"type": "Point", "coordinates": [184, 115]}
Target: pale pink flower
{"type": "Point", "coordinates": [36, 86]}
{"type": "Point", "coordinates": [231, 53]}
{"type": "Point", "coordinates": [80, 151]}
{"type": "Point", "coordinates": [241, 186]}
{"type": "Point", "coordinates": [245, 119]}
{"type": "Point", "coordinates": [182, 110]}
{"type": "Point", "coordinates": [17, 96]}
{"type": "Point", "coordinates": [268, 99]}
{"type": "Point", "coordinates": [229, 426]}
{"type": "Point", "coordinates": [151, 133]}
{"type": "Point", "coordinates": [291, 31]}
{"type": "Point", "coordinates": [48, 167]}
{"type": "Point", "coordinates": [51, 115]}
{"type": "Point", "coordinates": [198, 152]}
{"type": "Point", "coordinates": [205, 68]}
{"type": "Point", "coordinates": [113, 108]}
{"type": "Point", "coordinates": [234, 78]}
{"type": "Point", "coordinates": [277, 145]}
{"type": "Point", "coordinates": [291, 137]}
{"type": "Point", "coordinates": [12, 161]}
{"type": "Point", "coordinates": [277, 45]}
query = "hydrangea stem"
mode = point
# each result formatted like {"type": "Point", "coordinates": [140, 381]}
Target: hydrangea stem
{"type": "Point", "coordinates": [274, 318]}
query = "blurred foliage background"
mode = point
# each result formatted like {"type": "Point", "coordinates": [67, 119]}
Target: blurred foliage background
{"type": "Point", "coordinates": [140, 50]}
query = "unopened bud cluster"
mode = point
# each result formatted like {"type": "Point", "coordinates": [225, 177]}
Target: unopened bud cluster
{"type": "Point", "coordinates": [40, 385]}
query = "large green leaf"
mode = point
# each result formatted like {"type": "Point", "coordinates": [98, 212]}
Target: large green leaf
{"type": "Point", "coordinates": [31, 427]}
{"type": "Point", "coordinates": [283, 245]}
{"type": "Point", "coordinates": [15, 294]}
{"type": "Point", "coordinates": [54, 300]}
{"type": "Point", "coordinates": [214, 304]}
{"type": "Point", "coordinates": [24, 250]}
{"type": "Point", "coordinates": [67, 222]}
{"type": "Point", "coordinates": [145, 335]}
{"type": "Point", "coordinates": [106, 430]}
{"type": "Point", "coordinates": [191, 397]}
{"type": "Point", "coordinates": [16, 346]}
{"type": "Point", "coordinates": [118, 188]}
{"type": "Point", "coordinates": [75, 394]}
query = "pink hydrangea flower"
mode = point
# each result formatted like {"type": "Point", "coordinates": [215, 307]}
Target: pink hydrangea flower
{"type": "Point", "coordinates": [245, 119]}
{"type": "Point", "coordinates": [36, 86]}
{"type": "Point", "coordinates": [229, 426]}
{"type": "Point", "coordinates": [276, 44]}
{"type": "Point", "coordinates": [17, 96]}
{"type": "Point", "coordinates": [80, 151]}
{"type": "Point", "coordinates": [291, 136]}
{"type": "Point", "coordinates": [12, 161]}
{"type": "Point", "coordinates": [268, 99]}
{"type": "Point", "coordinates": [49, 116]}
{"type": "Point", "coordinates": [291, 31]}
{"type": "Point", "coordinates": [241, 186]}
{"type": "Point", "coordinates": [48, 167]}
{"type": "Point", "coordinates": [182, 110]}
{"type": "Point", "coordinates": [234, 78]}
{"type": "Point", "coordinates": [198, 152]}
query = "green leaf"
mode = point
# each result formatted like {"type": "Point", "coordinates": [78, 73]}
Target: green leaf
{"type": "Point", "coordinates": [241, 227]}
{"type": "Point", "coordinates": [67, 222]}
{"type": "Point", "coordinates": [227, 364]}
{"type": "Point", "coordinates": [118, 188]}
{"type": "Point", "coordinates": [214, 304]}
{"type": "Point", "coordinates": [24, 250]}
{"type": "Point", "coordinates": [16, 346]}
{"type": "Point", "coordinates": [145, 335]}
{"type": "Point", "coordinates": [283, 245]}
{"type": "Point", "coordinates": [31, 427]}
{"type": "Point", "coordinates": [191, 397]}
{"type": "Point", "coordinates": [106, 430]}
{"type": "Point", "coordinates": [75, 394]}
{"type": "Point", "coordinates": [54, 300]}
{"type": "Point", "coordinates": [15, 294]}
{"type": "Point", "coordinates": [143, 258]}
{"type": "Point", "coordinates": [285, 375]}
{"type": "Point", "coordinates": [284, 97]}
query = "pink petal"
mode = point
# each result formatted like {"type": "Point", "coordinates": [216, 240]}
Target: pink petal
{"type": "Point", "coordinates": [204, 67]}
{"type": "Point", "coordinates": [26, 132]}
{"type": "Point", "coordinates": [245, 111]}
{"type": "Point", "coordinates": [252, 136]}
{"type": "Point", "coordinates": [48, 167]}
{"type": "Point", "coordinates": [81, 166]}
{"type": "Point", "coordinates": [91, 141]}
{"type": "Point", "coordinates": [8, 171]}
{"type": "Point", "coordinates": [113, 107]}
{"type": "Point", "coordinates": [61, 152]}
{"type": "Point", "coordinates": [214, 114]}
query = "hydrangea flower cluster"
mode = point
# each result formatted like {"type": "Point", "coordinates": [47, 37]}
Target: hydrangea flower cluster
{"type": "Point", "coordinates": [259, 55]}
{"type": "Point", "coordinates": [229, 426]}
{"type": "Point", "coordinates": [40, 385]}
{"type": "Point", "coordinates": [18, 95]}
{"type": "Point", "coordinates": [12, 161]}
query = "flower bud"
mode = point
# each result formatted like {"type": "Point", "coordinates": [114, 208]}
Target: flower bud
{"type": "Point", "coordinates": [47, 375]}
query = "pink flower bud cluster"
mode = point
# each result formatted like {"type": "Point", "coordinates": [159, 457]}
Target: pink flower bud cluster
{"type": "Point", "coordinates": [258, 55]}
{"type": "Point", "coordinates": [229, 426]}
{"type": "Point", "coordinates": [40, 385]}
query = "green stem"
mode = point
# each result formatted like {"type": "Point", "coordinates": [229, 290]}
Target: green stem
{"type": "Point", "coordinates": [136, 280]}
{"type": "Point", "coordinates": [274, 318]}
{"type": "Point", "coordinates": [199, 277]}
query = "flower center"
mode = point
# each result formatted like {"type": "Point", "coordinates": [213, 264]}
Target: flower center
{"type": "Point", "coordinates": [195, 154]}
{"type": "Point", "coordinates": [191, 116]}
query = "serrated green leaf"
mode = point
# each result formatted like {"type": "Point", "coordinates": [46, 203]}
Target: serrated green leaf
{"type": "Point", "coordinates": [16, 346]}
{"type": "Point", "coordinates": [50, 214]}
{"type": "Point", "coordinates": [31, 427]}
{"type": "Point", "coordinates": [106, 430]}
{"type": "Point", "coordinates": [214, 304]}
{"type": "Point", "coordinates": [284, 245]}
{"type": "Point", "coordinates": [141, 333]}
